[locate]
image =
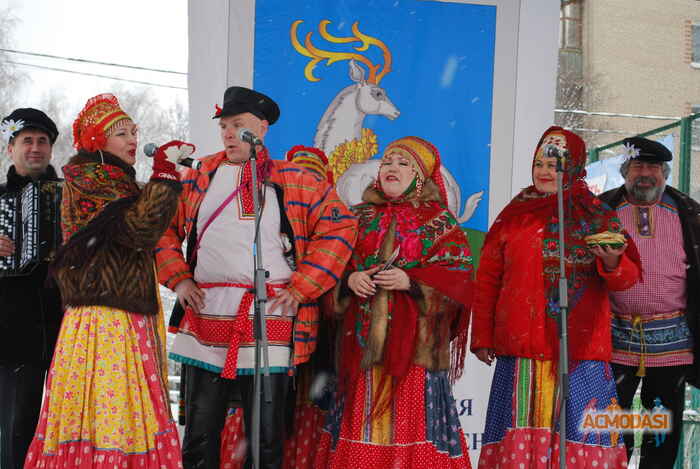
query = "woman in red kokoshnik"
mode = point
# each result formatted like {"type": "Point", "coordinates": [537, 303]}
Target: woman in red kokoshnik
{"type": "Point", "coordinates": [394, 404]}
{"type": "Point", "coordinates": [515, 313]}
{"type": "Point", "coordinates": [106, 402]}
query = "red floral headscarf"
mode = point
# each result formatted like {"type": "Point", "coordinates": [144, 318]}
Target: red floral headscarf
{"type": "Point", "coordinates": [434, 252]}
{"type": "Point", "coordinates": [584, 213]}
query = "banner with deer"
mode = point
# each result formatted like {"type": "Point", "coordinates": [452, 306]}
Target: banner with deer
{"type": "Point", "coordinates": [359, 74]}
{"type": "Point", "coordinates": [352, 75]}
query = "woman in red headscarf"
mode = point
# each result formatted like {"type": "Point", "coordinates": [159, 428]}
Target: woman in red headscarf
{"type": "Point", "coordinates": [106, 402]}
{"type": "Point", "coordinates": [516, 308]}
{"type": "Point", "coordinates": [404, 299]}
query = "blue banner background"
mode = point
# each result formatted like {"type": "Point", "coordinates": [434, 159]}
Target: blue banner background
{"type": "Point", "coordinates": [441, 79]}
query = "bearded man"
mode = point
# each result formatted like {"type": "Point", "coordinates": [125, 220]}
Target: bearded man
{"type": "Point", "coordinates": [655, 332]}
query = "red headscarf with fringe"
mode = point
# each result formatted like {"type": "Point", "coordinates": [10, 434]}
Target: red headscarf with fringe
{"type": "Point", "coordinates": [433, 251]}
{"type": "Point", "coordinates": [585, 215]}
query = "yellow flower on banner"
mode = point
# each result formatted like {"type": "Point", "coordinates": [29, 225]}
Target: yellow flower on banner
{"type": "Point", "coordinates": [354, 151]}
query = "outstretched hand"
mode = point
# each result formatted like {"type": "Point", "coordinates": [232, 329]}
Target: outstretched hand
{"type": "Point", "coordinates": [609, 256]}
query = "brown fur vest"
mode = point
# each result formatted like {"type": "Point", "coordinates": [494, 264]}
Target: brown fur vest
{"type": "Point", "coordinates": [110, 262]}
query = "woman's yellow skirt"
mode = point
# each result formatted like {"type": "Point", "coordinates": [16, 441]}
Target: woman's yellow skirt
{"type": "Point", "coordinates": [106, 402]}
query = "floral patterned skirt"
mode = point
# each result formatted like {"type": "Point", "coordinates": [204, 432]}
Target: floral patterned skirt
{"type": "Point", "coordinates": [106, 402]}
{"type": "Point", "coordinates": [522, 417]}
{"type": "Point", "coordinates": [421, 429]}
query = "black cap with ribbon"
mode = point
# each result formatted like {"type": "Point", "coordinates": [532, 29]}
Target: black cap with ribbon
{"type": "Point", "coordinates": [238, 100]}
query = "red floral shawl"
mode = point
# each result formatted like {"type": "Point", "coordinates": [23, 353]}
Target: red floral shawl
{"type": "Point", "coordinates": [90, 185]}
{"type": "Point", "coordinates": [435, 253]}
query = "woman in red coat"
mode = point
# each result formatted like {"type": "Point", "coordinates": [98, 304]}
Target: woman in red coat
{"type": "Point", "coordinates": [515, 312]}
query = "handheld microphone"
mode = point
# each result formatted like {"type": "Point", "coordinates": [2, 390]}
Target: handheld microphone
{"type": "Point", "coordinates": [553, 151]}
{"type": "Point", "coordinates": [150, 149]}
{"type": "Point", "coordinates": [248, 136]}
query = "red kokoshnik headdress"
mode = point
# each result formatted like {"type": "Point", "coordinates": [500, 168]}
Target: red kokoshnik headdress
{"type": "Point", "coordinates": [99, 115]}
{"type": "Point", "coordinates": [311, 158]}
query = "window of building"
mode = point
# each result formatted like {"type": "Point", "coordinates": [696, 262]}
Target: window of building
{"type": "Point", "coordinates": [696, 43]}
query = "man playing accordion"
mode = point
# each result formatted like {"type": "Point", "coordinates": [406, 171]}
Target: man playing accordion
{"type": "Point", "coordinates": [30, 312]}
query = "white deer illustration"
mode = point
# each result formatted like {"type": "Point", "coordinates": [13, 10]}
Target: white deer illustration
{"type": "Point", "coordinates": [343, 119]}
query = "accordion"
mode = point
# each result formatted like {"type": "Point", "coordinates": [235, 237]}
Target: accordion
{"type": "Point", "coordinates": [32, 219]}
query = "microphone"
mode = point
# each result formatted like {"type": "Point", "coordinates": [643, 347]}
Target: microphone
{"type": "Point", "coordinates": [150, 149]}
{"type": "Point", "coordinates": [245, 135]}
{"type": "Point", "coordinates": [553, 151]}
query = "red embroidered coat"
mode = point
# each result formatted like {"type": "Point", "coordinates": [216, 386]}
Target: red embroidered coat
{"type": "Point", "coordinates": [324, 235]}
{"type": "Point", "coordinates": [509, 306]}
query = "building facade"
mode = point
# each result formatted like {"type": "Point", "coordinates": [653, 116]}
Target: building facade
{"type": "Point", "coordinates": [630, 59]}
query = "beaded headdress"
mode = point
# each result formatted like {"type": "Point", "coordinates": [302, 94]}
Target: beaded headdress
{"type": "Point", "coordinates": [424, 158]}
{"type": "Point", "coordinates": [100, 114]}
{"type": "Point", "coordinates": [311, 158]}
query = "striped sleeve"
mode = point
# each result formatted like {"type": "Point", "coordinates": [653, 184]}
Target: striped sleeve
{"type": "Point", "coordinates": [331, 231]}
{"type": "Point", "coordinates": [172, 267]}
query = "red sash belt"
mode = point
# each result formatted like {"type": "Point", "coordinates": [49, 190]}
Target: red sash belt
{"type": "Point", "coordinates": [242, 325]}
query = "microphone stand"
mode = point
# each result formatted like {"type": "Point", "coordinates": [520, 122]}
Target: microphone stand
{"type": "Point", "coordinates": [261, 377]}
{"type": "Point", "coordinates": [562, 323]}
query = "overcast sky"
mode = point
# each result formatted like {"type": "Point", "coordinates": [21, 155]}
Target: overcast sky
{"type": "Point", "coordinates": [145, 33]}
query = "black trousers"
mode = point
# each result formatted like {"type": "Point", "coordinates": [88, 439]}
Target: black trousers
{"type": "Point", "coordinates": [21, 389]}
{"type": "Point", "coordinates": [668, 384]}
{"type": "Point", "coordinates": [207, 399]}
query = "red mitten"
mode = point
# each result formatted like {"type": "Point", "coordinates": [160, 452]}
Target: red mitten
{"type": "Point", "coordinates": [167, 156]}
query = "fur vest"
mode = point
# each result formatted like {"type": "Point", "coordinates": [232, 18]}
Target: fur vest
{"type": "Point", "coordinates": [110, 261]}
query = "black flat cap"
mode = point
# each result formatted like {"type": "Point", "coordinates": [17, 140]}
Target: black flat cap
{"type": "Point", "coordinates": [649, 150]}
{"type": "Point", "coordinates": [31, 118]}
{"type": "Point", "coordinates": [238, 99]}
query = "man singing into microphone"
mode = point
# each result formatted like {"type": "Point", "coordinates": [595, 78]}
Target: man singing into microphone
{"type": "Point", "coordinates": [307, 236]}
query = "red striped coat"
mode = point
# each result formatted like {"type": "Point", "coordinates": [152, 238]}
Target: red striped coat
{"type": "Point", "coordinates": [324, 236]}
